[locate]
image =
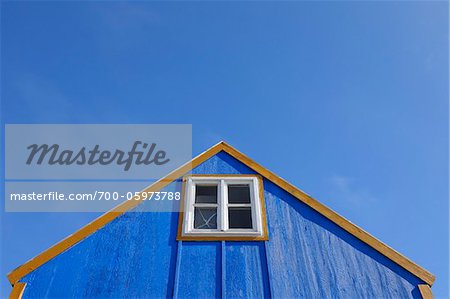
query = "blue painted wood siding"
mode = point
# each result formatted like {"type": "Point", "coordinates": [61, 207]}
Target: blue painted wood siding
{"type": "Point", "coordinates": [137, 256]}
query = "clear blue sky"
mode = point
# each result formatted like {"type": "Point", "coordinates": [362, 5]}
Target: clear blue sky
{"type": "Point", "coordinates": [347, 100]}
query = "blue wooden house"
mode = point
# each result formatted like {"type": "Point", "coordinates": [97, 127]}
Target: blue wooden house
{"type": "Point", "coordinates": [242, 232]}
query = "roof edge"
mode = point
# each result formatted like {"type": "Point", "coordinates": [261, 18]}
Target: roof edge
{"type": "Point", "coordinates": [34, 263]}
{"type": "Point", "coordinates": [342, 222]}
{"type": "Point", "coordinates": [48, 254]}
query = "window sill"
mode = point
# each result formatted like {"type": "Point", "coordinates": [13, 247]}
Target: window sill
{"type": "Point", "coordinates": [221, 238]}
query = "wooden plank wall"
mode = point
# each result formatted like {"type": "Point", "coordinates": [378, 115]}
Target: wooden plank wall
{"type": "Point", "coordinates": [137, 255]}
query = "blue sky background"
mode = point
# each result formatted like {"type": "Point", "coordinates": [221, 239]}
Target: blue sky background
{"type": "Point", "coordinates": [347, 100]}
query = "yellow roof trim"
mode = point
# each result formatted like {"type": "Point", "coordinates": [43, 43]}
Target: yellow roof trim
{"type": "Point", "coordinates": [17, 291]}
{"type": "Point", "coordinates": [425, 291]}
{"type": "Point", "coordinates": [104, 219]}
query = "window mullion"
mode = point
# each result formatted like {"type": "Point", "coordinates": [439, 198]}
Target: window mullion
{"type": "Point", "coordinates": [190, 205]}
{"type": "Point", "coordinates": [256, 214]}
{"type": "Point", "coordinates": [223, 206]}
{"type": "Point", "coordinates": [219, 207]}
{"type": "Point", "coordinates": [240, 205]}
{"type": "Point", "coordinates": [205, 205]}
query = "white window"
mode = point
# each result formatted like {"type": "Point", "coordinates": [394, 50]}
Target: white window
{"type": "Point", "coordinates": [229, 206]}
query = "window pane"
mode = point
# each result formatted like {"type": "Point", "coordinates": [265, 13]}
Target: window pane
{"type": "Point", "coordinates": [205, 194]}
{"type": "Point", "coordinates": [240, 217]}
{"type": "Point", "coordinates": [205, 218]}
{"type": "Point", "coordinates": [238, 194]}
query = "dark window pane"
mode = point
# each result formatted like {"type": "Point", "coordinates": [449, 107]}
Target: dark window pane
{"type": "Point", "coordinates": [238, 194]}
{"type": "Point", "coordinates": [205, 218]}
{"type": "Point", "coordinates": [240, 217]}
{"type": "Point", "coordinates": [206, 194]}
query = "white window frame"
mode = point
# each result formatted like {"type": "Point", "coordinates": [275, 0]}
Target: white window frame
{"type": "Point", "coordinates": [222, 207]}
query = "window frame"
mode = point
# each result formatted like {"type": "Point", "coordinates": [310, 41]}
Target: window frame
{"type": "Point", "coordinates": [186, 230]}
